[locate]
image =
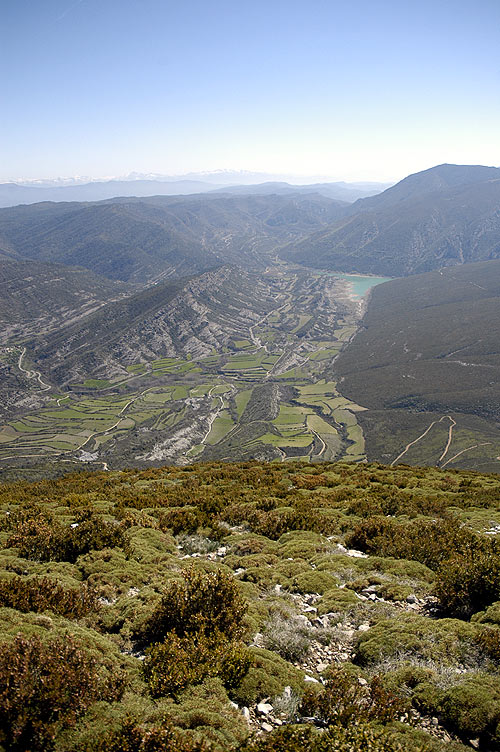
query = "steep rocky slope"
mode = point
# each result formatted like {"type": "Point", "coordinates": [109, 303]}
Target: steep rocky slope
{"type": "Point", "coordinates": [37, 297]}
{"type": "Point", "coordinates": [416, 226]}
{"type": "Point", "coordinates": [171, 319]}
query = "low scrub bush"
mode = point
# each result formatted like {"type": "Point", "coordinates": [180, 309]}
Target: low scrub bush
{"type": "Point", "coordinates": [314, 582]}
{"type": "Point", "coordinates": [488, 641]}
{"type": "Point", "coordinates": [344, 701]}
{"type": "Point", "coordinates": [201, 603]}
{"type": "Point", "coordinates": [361, 737]}
{"type": "Point", "coordinates": [490, 616]}
{"type": "Point", "coordinates": [397, 503]}
{"type": "Point", "coordinates": [43, 594]}
{"type": "Point", "coordinates": [181, 519]}
{"type": "Point", "coordinates": [45, 686]}
{"type": "Point", "coordinates": [427, 541]}
{"type": "Point", "coordinates": [178, 662]}
{"type": "Point", "coordinates": [42, 538]}
{"type": "Point", "coordinates": [267, 677]}
{"type": "Point", "coordinates": [134, 736]}
{"type": "Point", "coordinates": [469, 581]}
{"type": "Point", "coordinates": [415, 638]}
{"type": "Point", "coordinates": [472, 709]}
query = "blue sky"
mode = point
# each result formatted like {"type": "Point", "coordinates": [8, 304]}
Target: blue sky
{"type": "Point", "coordinates": [368, 90]}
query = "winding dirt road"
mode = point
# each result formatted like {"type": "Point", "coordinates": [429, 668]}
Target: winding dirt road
{"type": "Point", "coordinates": [422, 435]}
{"type": "Point", "coordinates": [32, 374]}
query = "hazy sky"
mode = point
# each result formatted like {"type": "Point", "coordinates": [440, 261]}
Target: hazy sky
{"type": "Point", "coordinates": [372, 89]}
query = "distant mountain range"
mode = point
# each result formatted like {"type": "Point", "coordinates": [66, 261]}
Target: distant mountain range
{"type": "Point", "coordinates": [446, 216]}
{"type": "Point", "coordinates": [339, 191]}
{"type": "Point", "coordinates": [13, 194]}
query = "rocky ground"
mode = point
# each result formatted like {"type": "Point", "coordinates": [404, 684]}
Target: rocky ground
{"type": "Point", "coordinates": [331, 644]}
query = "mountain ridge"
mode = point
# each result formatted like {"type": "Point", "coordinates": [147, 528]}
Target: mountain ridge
{"type": "Point", "coordinates": [139, 240]}
{"type": "Point", "coordinates": [397, 234]}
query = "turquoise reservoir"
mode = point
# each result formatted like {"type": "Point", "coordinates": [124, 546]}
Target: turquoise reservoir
{"type": "Point", "coordinates": [360, 284]}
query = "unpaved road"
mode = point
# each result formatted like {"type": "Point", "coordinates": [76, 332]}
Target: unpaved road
{"type": "Point", "coordinates": [32, 374]}
{"type": "Point", "coordinates": [422, 435]}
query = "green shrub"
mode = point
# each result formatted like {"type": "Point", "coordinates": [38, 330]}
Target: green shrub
{"type": "Point", "coordinates": [200, 603]}
{"type": "Point", "coordinates": [397, 503]}
{"type": "Point", "coordinates": [42, 538]}
{"type": "Point", "coordinates": [181, 519]}
{"type": "Point", "coordinates": [313, 582]}
{"type": "Point", "coordinates": [134, 736]}
{"type": "Point", "coordinates": [361, 737]}
{"type": "Point", "coordinates": [337, 600]}
{"type": "Point", "coordinates": [488, 641]}
{"type": "Point", "coordinates": [43, 594]}
{"type": "Point", "coordinates": [469, 581]}
{"type": "Point", "coordinates": [473, 708]}
{"type": "Point", "coordinates": [344, 701]}
{"type": "Point", "coordinates": [267, 677]}
{"type": "Point", "coordinates": [204, 712]}
{"type": "Point", "coordinates": [178, 662]}
{"type": "Point", "coordinates": [393, 591]}
{"type": "Point", "coordinates": [45, 686]}
{"type": "Point", "coordinates": [428, 541]}
{"type": "Point", "coordinates": [415, 638]}
{"type": "Point", "coordinates": [418, 683]}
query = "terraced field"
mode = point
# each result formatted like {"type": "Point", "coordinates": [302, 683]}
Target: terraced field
{"type": "Point", "coordinates": [269, 395]}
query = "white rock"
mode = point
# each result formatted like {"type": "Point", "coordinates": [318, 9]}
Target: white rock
{"type": "Point", "coordinates": [363, 628]}
{"type": "Point", "coordinates": [246, 714]}
{"type": "Point", "coordinates": [321, 667]}
{"type": "Point", "coordinates": [310, 679]}
{"type": "Point", "coordinates": [362, 681]}
{"type": "Point", "coordinates": [264, 708]}
{"type": "Point", "coordinates": [266, 726]}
